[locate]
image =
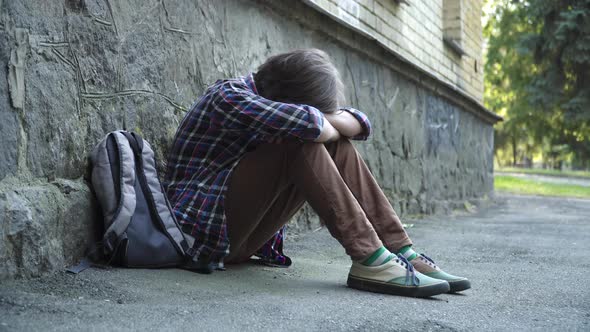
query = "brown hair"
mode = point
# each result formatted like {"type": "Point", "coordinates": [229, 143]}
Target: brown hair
{"type": "Point", "coordinates": [301, 77]}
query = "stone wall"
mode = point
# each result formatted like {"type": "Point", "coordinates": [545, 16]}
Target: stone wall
{"type": "Point", "coordinates": [73, 70]}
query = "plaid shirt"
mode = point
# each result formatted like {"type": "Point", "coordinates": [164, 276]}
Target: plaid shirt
{"type": "Point", "coordinates": [229, 120]}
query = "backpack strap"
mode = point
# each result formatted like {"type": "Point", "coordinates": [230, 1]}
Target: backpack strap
{"type": "Point", "coordinates": [148, 174]}
{"type": "Point", "coordinates": [127, 202]}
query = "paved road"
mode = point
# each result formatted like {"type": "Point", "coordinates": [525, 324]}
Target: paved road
{"type": "Point", "coordinates": [528, 259]}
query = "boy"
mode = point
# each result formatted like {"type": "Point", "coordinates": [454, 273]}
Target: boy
{"type": "Point", "coordinates": [252, 150]}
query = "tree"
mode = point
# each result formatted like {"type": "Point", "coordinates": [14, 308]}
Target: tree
{"type": "Point", "coordinates": [538, 77]}
{"type": "Point", "coordinates": [562, 51]}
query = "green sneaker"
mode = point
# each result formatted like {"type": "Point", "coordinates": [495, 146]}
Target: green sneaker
{"type": "Point", "coordinates": [425, 265]}
{"type": "Point", "coordinates": [396, 277]}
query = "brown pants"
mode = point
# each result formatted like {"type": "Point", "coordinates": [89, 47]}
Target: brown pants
{"type": "Point", "coordinates": [272, 182]}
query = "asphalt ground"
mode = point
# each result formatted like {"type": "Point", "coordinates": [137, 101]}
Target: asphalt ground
{"type": "Point", "coordinates": [528, 259]}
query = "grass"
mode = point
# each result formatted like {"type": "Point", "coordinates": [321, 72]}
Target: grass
{"type": "Point", "coordinates": [518, 185]}
{"type": "Point", "coordinates": [540, 171]}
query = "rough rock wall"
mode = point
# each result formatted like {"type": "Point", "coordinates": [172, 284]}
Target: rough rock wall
{"type": "Point", "coordinates": [73, 70]}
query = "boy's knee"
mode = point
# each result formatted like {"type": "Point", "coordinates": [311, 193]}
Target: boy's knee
{"type": "Point", "coordinates": [308, 147]}
{"type": "Point", "coordinates": [343, 145]}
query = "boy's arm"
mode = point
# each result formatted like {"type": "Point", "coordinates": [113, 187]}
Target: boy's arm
{"type": "Point", "coordinates": [329, 132]}
{"type": "Point", "coordinates": [345, 123]}
{"type": "Point", "coordinates": [351, 123]}
{"type": "Point", "coordinates": [235, 108]}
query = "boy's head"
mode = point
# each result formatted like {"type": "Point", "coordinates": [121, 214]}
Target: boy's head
{"type": "Point", "coordinates": [301, 77]}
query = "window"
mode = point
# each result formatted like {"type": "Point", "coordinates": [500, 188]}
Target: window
{"type": "Point", "coordinates": [453, 21]}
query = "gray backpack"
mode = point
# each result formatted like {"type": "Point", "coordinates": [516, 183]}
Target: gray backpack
{"type": "Point", "coordinates": [140, 227]}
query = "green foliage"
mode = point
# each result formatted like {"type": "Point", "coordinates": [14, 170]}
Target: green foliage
{"type": "Point", "coordinates": [562, 51]}
{"type": "Point", "coordinates": [538, 77]}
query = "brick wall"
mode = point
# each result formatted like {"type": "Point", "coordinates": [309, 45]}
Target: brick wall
{"type": "Point", "coordinates": [416, 29]}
